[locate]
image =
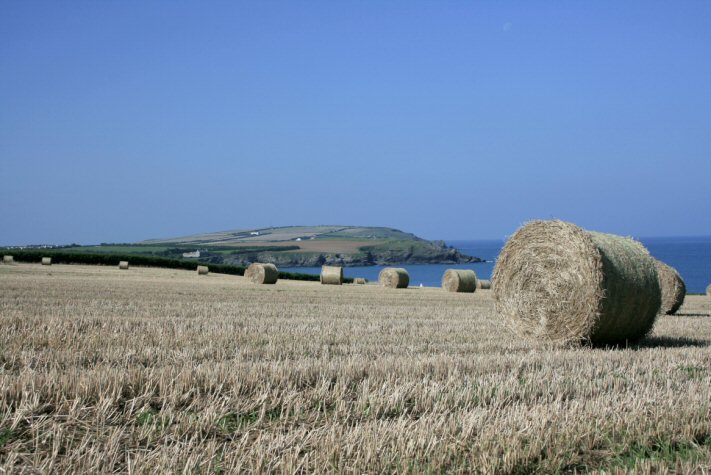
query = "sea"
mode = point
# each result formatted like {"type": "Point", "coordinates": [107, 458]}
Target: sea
{"type": "Point", "coordinates": [691, 256]}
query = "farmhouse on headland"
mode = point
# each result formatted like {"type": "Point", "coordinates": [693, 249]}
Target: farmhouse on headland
{"type": "Point", "coordinates": [192, 254]}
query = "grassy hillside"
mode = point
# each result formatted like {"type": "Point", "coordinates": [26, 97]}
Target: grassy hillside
{"type": "Point", "coordinates": [294, 246]}
{"type": "Point", "coordinates": [290, 233]}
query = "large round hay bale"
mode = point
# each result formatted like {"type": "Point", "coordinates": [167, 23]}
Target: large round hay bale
{"type": "Point", "coordinates": [459, 280]}
{"type": "Point", "coordinates": [46, 261]}
{"type": "Point", "coordinates": [673, 288]}
{"type": "Point", "coordinates": [560, 283]}
{"type": "Point", "coordinates": [394, 277]}
{"type": "Point", "coordinates": [262, 273]}
{"type": "Point", "coordinates": [360, 280]}
{"type": "Point", "coordinates": [203, 270]}
{"type": "Point", "coordinates": [123, 265]}
{"type": "Point", "coordinates": [483, 284]}
{"type": "Point", "coordinates": [708, 291]}
{"type": "Point", "coordinates": [8, 259]}
{"type": "Point", "coordinates": [331, 275]}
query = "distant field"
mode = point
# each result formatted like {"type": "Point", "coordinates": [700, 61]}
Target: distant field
{"type": "Point", "coordinates": [333, 245]}
{"type": "Point", "coordinates": [163, 371]}
{"type": "Point", "coordinates": [288, 233]}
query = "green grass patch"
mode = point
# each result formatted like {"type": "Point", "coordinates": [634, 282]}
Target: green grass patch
{"type": "Point", "coordinates": [662, 450]}
{"type": "Point", "coordinates": [152, 418]}
{"type": "Point", "coordinates": [235, 421]}
{"type": "Point", "coordinates": [6, 435]}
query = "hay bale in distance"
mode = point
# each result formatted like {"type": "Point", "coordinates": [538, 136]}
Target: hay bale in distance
{"type": "Point", "coordinates": [123, 265]}
{"type": "Point", "coordinates": [262, 273]}
{"type": "Point", "coordinates": [46, 261]}
{"type": "Point", "coordinates": [394, 277]}
{"type": "Point", "coordinates": [673, 288]}
{"type": "Point", "coordinates": [360, 280]}
{"type": "Point", "coordinates": [708, 291]}
{"type": "Point", "coordinates": [459, 280]}
{"type": "Point", "coordinates": [560, 283]}
{"type": "Point", "coordinates": [331, 275]}
{"type": "Point", "coordinates": [203, 270]}
{"type": "Point", "coordinates": [483, 284]}
{"type": "Point", "coordinates": [8, 259]}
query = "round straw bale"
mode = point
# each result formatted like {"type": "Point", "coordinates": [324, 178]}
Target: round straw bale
{"type": "Point", "coordinates": [360, 280]}
{"type": "Point", "coordinates": [8, 259]}
{"type": "Point", "coordinates": [123, 265]}
{"type": "Point", "coordinates": [46, 261]}
{"type": "Point", "coordinates": [262, 273]}
{"type": "Point", "coordinates": [394, 277]}
{"type": "Point", "coordinates": [673, 288]}
{"type": "Point", "coordinates": [459, 280]}
{"type": "Point", "coordinates": [708, 291]}
{"type": "Point", "coordinates": [203, 270]}
{"type": "Point", "coordinates": [560, 283]}
{"type": "Point", "coordinates": [331, 275]}
{"type": "Point", "coordinates": [483, 284]}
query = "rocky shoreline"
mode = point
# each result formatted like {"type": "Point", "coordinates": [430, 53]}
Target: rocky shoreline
{"type": "Point", "coordinates": [440, 255]}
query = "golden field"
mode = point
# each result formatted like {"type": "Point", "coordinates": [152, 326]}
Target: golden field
{"type": "Point", "coordinates": [164, 371]}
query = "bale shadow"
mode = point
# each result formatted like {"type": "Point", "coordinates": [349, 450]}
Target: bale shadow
{"type": "Point", "coordinates": [684, 314]}
{"type": "Point", "coordinates": [658, 342]}
{"type": "Point", "coordinates": [670, 342]}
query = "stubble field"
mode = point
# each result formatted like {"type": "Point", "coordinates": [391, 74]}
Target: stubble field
{"type": "Point", "coordinates": [164, 371]}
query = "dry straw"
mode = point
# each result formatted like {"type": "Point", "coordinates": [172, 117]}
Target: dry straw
{"type": "Point", "coordinates": [673, 288]}
{"type": "Point", "coordinates": [483, 284]}
{"type": "Point", "coordinates": [360, 280]}
{"type": "Point", "coordinates": [459, 280]}
{"type": "Point", "coordinates": [202, 270]}
{"type": "Point", "coordinates": [46, 261]}
{"type": "Point", "coordinates": [262, 273]}
{"type": "Point", "coordinates": [560, 283]}
{"type": "Point", "coordinates": [394, 277]}
{"type": "Point", "coordinates": [8, 259]}
{"type": "Point", "coordinates": [331, 275]}
{"type": "Point", "coordinates": [123, 265]}
{"type": "Point", "coordinates": [708, 291]}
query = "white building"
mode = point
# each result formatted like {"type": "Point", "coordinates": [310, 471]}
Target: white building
{"type": "Point", "coordinates": [192, 254]}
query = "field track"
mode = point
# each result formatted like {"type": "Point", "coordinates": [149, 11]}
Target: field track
{"type": "Point", "coordinates": [164, 371]}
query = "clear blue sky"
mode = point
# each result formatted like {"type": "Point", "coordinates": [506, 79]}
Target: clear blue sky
{"type": "Point", "coordinates": [121, 121]}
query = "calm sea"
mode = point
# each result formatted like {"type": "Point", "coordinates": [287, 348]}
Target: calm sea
{"type": "Point", "coordinates": [691, 256]}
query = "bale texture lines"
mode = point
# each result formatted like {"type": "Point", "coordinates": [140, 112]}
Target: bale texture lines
{"type": "Point", "coordinates": [673, 288]}
{"type": "Point", "coordinates": [123, 265]}
{"type": "Point", "coordinates": [259, 273]}
{"type": "Point", "coordinates": [394, 278]}
{"type": "Point", "coordinates": [557, 282]}
{"type": "Point", "coordinates": [203, 270]}
{"type": "Point", "coordinates": [331, 275]}
{"type": "Point", "coordinates": [459, 280]}
{"type": "Point", "coordinates": [46, 261]}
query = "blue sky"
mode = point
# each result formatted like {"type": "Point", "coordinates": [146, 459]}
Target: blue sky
{"type": "Point", "coordinates": [121, 121]}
